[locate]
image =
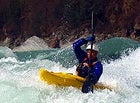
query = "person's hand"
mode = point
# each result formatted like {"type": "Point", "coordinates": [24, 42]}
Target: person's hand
{"type": "Point", "coordinates": [90, 38]}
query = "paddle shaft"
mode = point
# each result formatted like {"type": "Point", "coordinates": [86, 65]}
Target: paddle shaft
{"type": "Point", "coordinates": [87, 85]}
{"type": "Point", "coordinates": [93, 30]}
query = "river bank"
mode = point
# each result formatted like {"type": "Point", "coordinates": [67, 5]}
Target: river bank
{"type": "Point", "coordinates": [57, 40]}
{"type": "Point", "coordinates": [59, 23]}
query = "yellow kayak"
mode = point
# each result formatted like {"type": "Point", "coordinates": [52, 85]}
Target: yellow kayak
{"type": "Point", "coordinates": [66, 79]}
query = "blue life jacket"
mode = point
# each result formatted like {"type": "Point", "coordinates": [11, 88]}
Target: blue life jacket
{"type": "Point", "coordinates": [95, 71]}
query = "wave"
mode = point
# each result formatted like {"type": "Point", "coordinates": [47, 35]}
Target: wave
{"type": "Point", "coordinates": [113, 48]}
{"type": "Point", "coordinates": [20, 81]}
{"type": "Point", "coordinates": [31, 44]}
{"type": "Point", "coordinates": [6, 52]}
{"type": "Point", "coordinates": [109, 49]}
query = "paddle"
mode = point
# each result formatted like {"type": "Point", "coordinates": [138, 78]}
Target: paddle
{"type": "Point", "coordinates": [87, 85]}
{"type": "Point", "coordinates": [93, 31]}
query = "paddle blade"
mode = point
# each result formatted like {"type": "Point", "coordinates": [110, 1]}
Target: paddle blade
{"type": "Point", "coordinates": [87, 87]}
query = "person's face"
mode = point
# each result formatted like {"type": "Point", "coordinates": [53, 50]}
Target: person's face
{"type": "Point", "coordinates": [91, 54]}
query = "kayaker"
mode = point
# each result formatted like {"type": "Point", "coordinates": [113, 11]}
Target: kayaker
{"type": "Point", "coordinates": [89, 66]}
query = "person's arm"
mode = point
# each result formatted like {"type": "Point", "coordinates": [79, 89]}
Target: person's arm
{"type": "Point", "coordinates": [92, 78]}
{"type": "Point", "coordinates": [97, 72]}
{"type": "Point", "coordinates": [80, 54]}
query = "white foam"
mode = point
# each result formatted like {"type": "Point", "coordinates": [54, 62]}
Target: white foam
{"type": "Point", "coordinates": [21, 82]}
{"type": "Point", "coordinates": [31, 44]}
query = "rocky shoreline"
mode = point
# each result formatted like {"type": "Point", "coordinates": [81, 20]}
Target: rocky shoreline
{"type": "Point", "coordinates": [59, 23]}
{"type": "Point", "coordinates": [57, 40]}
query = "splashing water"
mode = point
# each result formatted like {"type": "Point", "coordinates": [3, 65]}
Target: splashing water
{"type": "Point", "coordinates": [20, 83]}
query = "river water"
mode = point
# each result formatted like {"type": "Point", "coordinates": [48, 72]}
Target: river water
{"type": "Point", "coordinates": [20, 83]}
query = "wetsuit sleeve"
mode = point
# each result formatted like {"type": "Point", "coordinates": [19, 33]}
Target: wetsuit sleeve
{"type": "Point", "coordinates": [97, 72]}
{"type": "Point", "coordinates": [80, 54]}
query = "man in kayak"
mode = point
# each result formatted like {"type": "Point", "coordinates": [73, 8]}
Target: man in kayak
{"type": "Point", "coordinates": [89, 67]}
